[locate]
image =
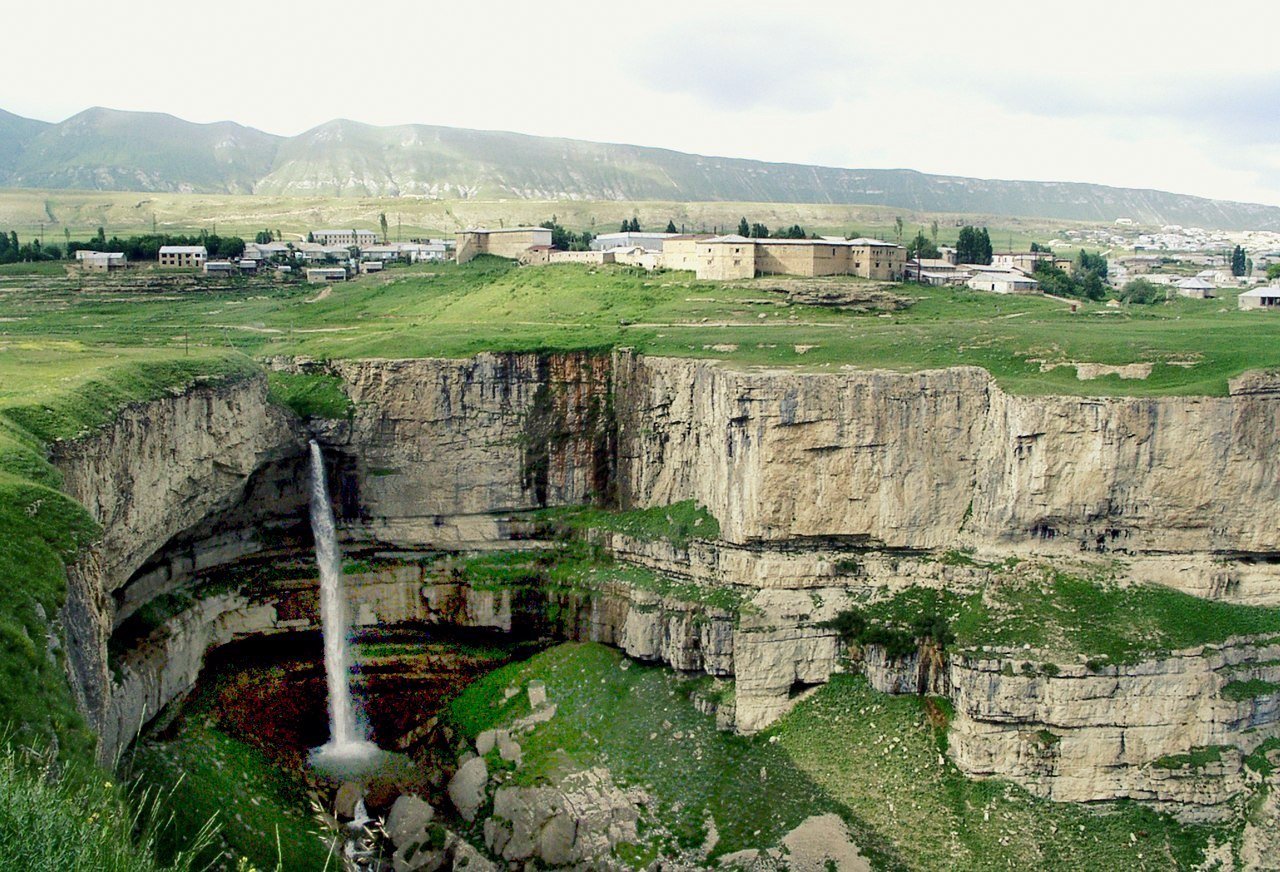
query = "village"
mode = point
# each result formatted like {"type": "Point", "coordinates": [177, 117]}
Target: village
{"type": "Point", "coordinates": [1177, 261]}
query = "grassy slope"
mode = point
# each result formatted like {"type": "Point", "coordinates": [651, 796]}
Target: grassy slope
{"type": "Point", "coordinates": [47, 394]}
{"type": "Point", "coordinates": [79, 821]}
{"type": "Point", "coordinates": [1060, 618]}
{"type": "Point", "coordinates": [873, 759]}
{"type": "Point", "coordinates": [81, 213]}
{"type": "Point", "coordinates": [214, 776]}
{"type": "Point", "coordinates": [444, 310]}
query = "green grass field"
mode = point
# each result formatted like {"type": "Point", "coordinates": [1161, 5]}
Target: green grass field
{"type": "Point", "coordinates": [47, 325]}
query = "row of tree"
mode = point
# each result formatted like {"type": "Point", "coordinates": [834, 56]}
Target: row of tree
{"type": "Point", "coordinates": [147, 246]}
{"type": "Point", "coordinates": [12, 252]}
{"type": "Point", "coordinates": [761, 231]}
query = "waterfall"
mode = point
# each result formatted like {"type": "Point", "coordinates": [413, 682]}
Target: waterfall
{"type": "Point", "coordinates": [346, 738]}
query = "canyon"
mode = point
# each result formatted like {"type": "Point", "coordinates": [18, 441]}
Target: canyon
{"type": "Point", "coordinates": [832, 491]}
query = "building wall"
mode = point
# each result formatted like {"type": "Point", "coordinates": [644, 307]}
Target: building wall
{"type": "Point", "coordinates": [503, 243]}
{"type": "Point", "coordinates": [1258, 302]}
{"type": "Point", "coordinates": [796, 260]}
{"type": "Point", "coordinates": [679, 254]}
{"type": "Point", "coordinates": [591, 257]}
{"type": "Point", "coordinates": [719, 261]}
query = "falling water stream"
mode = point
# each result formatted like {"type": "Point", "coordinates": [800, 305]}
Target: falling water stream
{"type": "Point", "coordinates": [348, 742]}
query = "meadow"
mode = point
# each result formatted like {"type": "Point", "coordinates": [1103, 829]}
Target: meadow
{"type": "Point", "coordinates": [54, 329]}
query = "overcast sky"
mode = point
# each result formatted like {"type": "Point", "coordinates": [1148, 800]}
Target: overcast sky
{"type": "Point", "coordinates": [1171, 95]}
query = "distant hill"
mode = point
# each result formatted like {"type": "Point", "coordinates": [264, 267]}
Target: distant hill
{"type": "Point", "coordinates": [104, 149]}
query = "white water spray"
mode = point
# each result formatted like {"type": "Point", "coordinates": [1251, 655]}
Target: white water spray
{"type": "Point", "coordinates": [347, 741]}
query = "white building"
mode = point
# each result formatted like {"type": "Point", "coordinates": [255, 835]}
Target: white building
{"type": "Point", "coordinates": [344, 237]}
{"type": "Point", "coordinates": [218, 267]}
{"type": "Point", "coordinates": [1010, 282]}
{"type": "Point", "coordinates": [326, 274]}
{"type": "Point", "coordinates": [1260, 298]}
{"type": "Point", "coordinates": [183, 255]}
{"type": "Point", "coordinates": [101, 261]}
{"type": "Point", "coordinates": [630, 239]}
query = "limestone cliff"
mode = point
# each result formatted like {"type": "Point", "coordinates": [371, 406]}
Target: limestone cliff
{"type": "Point", "coordinates": [827, 487]}
{"type": "Point", "coordinates": [160, 468]}
{"type": "Point", "coordinates": [922, 460]}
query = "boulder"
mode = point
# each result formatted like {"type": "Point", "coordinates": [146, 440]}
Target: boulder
{"type": "Point", "coordinates": [467, 787]}
{"type": "Point", "coordinates": [408, 819]}
{"type": "Point", "coordinates": [344, 802]}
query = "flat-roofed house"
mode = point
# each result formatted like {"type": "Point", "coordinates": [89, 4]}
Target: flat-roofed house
{"type": "Point", "coordinates": [1267, 297]}
{"type": "Point", "coordinates": [1022, 260]}
{"type": "Point", "coordinates": [360, 238]}
{"type": "Point", "coordinates": [631, 239]}
{"type": "Point", "coordinates": [191, 256]}
{"type": "Point", "coordinates": [501, 242]}
{"type": "Point", "coordinates": [218, 267]}
{"type": "Point", "coordinates": [101, 261]}
{"type": "Point", "coordinates": [326, 274]}
{"type": "Point", "coordinates": [1003, 282]}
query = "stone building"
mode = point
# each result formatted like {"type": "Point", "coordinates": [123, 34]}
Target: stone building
{"type": "Point", "coordinates": [509, 242]}
{"type": "Point", "coordinates": [737, 257]}
{"type": "Point", "coordinates": [681, 252]}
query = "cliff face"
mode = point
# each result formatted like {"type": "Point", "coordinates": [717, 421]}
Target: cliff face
{"type": "Point", "coordinates": [828, 487]}
{"type": "Point", "coordinates": [161, 468]}
{"type": "Point", "coordinates": [923, 460]}
{"type": "Point", "coordinates": [437, 445]}
{"type": "Point", "coordinates": [1120, 733]}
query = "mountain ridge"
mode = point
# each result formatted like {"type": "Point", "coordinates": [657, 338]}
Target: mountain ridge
{"type": "Point", "coordinates": [109, 149]}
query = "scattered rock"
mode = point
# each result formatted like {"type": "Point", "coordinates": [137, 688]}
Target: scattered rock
{"type": "Point", "coordinates": [408, 819]}
{"type": "Point", "coordinates": [537, 694]}
{"type": "Point", "coordinates": [466, 788]}
{"type": "Point", "coordinates": [344, 802]}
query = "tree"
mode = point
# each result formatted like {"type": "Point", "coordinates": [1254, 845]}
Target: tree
{"type": "Point", "coordinates": [262, 237]}
{"type": "Point", "coordinates": [1238, 262]}
{"type": "Point", "coordinates": [921, 246]}
{"type": "Point", "coordinates": [759, 231]}
{"type": "Point", "coordinates": [382, 224]}
{"type": "Point", "coordinates": [744, 229]}
{"type": "Point", "coordinates": [1273, 272]}
{"type": "Point", "coordinates": [933, 229]}
{"type": "Point", "coordinates": [1094, 263]}
{"type": "Point", "coordinates": [559, 236]}
{"type": "Point", "coordinates": [1142, 292]}
{"type": "Point", "coordinates": [897, 228]}
{"type": "Point", "coordinates": [795, 231]}
{"type": "Point", "coordinates": [973, 245]}
{"type": "Point", "coordinates": [635, 225]}
{"type": "Point", "coordinates": [671, 227]}
{"type": "Point", "coordinates": [102, 235]}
